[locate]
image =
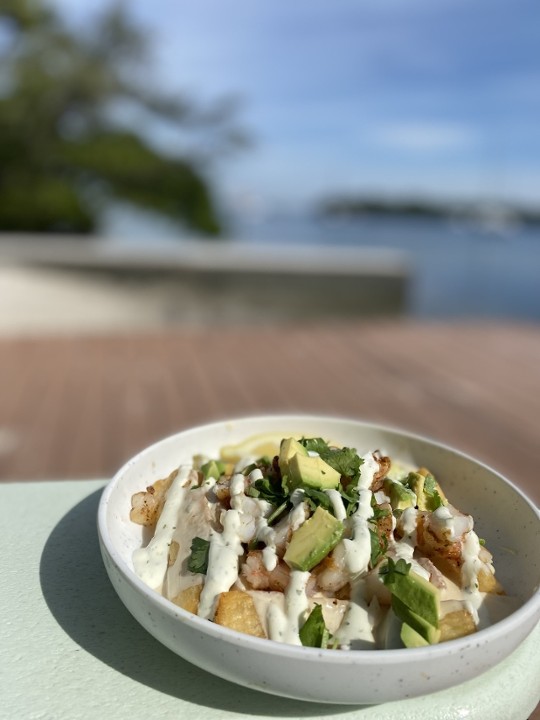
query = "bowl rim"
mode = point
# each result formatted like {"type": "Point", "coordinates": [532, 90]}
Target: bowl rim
{"type": "Point", "coordinates": [525, 612]}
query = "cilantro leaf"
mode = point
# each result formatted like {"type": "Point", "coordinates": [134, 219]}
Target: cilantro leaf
{"type": "Point", "coordinates": [379, 545]}
{"type": "Point", "coordinates": [277, 513]}
{"type": "Point", "coordinates": [378, 512]}
{"type": "Point", "coordinates": [314, 632]}
{"type": "Point", "coordinates": [390, 569]}
{"type": "Point", "coordinates": [198, 560]}
{"type": "Point", "coordinates": [316, 498]}
{"type": "Point", "coordinates": [317, 445]}
{"type": "Point", "coordinates": [345, 460]}
{"type": "Point", "coordinates": [430, 490]}
{"type": "Point", "coordinates": [267, 490]}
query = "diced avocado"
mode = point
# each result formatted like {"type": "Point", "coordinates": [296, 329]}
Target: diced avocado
{"type": "Point", "coordinates": [313, 540]}
{"type": "Point", "coordinates": [426, 489]}
{"type": "Point", "coordinates": [398, 472]}
{"type": "Point", "coordinates": [288, 449]}
{"type": "Point", "coordinates": [312, 471]}
{"type": "Point", "coordinates": [431, 482]}
{"type": "Point", "coordinates": [410, 638]}
{"type": "Point", "coordinates": [213, 469]}
{"type": "Point", "coordinates": [418, 595]}
{"type": "Point", "coordinates": [418, 623]}
{"type": "Point", "coordinates": [401, 497]}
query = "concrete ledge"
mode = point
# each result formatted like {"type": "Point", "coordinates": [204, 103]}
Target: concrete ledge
{"type": "Point", "coordinates": [195, 282]}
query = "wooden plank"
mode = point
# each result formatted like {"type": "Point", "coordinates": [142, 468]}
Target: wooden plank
{"type": "Point", "coordinates": [81, 406]}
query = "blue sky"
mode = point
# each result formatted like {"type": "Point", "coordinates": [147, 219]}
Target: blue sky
{"type": "Point", "coordinates": [400, 97]}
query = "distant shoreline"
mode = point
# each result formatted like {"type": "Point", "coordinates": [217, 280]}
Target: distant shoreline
{"type": "Point", "coordinates": [362, 206]}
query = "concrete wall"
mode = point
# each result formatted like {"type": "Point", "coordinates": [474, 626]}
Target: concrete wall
{"type": "Point", "coordinates": [193, 283]}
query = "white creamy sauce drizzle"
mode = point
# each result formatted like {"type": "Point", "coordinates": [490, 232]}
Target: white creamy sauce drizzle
{"type": "Point", "coordinates": [337, 504]}
{"type": "Point", "coordinates": [239, 525]}
{"type": "Point", "coordinates": [297, 516]}
{"type": "Point", "coordinates": [469, 572]}
{"type": "Point", "coordinates": [367, 470]}
{"type": "Point", "coordinates": [222, 572]}
{"type": "Point", "coordinates": [450, 524]}
{"type": "Point", "coordinates": [254, 475]}
{"type": "Point", "coordinates": [358, 548]}
{"type": "Point", "coordinates": [150, 563]}
{"type": "Point", "coordinates": [264, 533]}
{"type": "Point", "coordinates": [284, 625]}
{"type": "Point", "coordinates": [404, 549]}
{"type": "Point", "coordinates": [357, 623]}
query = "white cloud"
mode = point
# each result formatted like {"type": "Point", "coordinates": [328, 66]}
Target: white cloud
{"type": "Point", "coordinates": [425, 136]}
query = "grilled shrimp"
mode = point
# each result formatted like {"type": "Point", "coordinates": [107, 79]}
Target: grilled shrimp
{"type": "Point", "coordinates": [441, 536]}
{"type": "Point", "coordinates": [331, 575]}
{"type": "Point", "coordinates": [255, 573]}
{"type": "Point", "coordinates": [382, 472]}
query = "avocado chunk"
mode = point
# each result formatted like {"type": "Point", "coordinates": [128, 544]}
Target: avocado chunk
{"type": "Point", "coordinates": [288, 448]}
{"type": "Point", "coordinates": [213, 469]}
{"type": "Point", "coordinates": [428, 494]}
{"type": "Point", "coordinates": [411, 638]}
{"type": "Point", "coordinates": [418, 595]}
{"type": "Point", "coordinates": [313, 540]}
{"type": "Point", "coordinates": [430, 633]}
{"type": "Point", "coordinates": [312, 471]}
{"type": "Point", "coordinates": [401, 497]}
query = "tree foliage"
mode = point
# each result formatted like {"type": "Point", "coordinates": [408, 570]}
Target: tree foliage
{"type": "Point", "coordinates": [74, 110]}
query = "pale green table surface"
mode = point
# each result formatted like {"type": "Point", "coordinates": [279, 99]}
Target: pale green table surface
{"type": "Point", "coordinates": [69, 649]}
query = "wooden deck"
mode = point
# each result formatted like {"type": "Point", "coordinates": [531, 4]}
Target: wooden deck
{"type": "Point", "coordinates": [74, 407]}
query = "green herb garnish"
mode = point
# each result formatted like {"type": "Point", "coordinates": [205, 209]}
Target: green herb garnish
{"type": "Point", "coordinates": [390, 569]}
{"type": "Point", "coordinates": [198, 560]}
{"type": "Point", "coordinates": [314, 632]}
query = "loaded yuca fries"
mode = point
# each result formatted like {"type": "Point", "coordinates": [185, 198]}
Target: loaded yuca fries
{"type": "Point", "coordinates": [309, 543]}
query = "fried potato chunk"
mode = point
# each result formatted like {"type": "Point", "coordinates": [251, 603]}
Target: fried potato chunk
{"type": "Point", "coordinates": [236, 610]}
{"type": "Point", "coordinates": [447, 556]}
{"type": "Point", "coordinates": [146, 506]}
{"type": "Point", "coordinates": [488, 583]}
{"type": "Point", "coordinates": [456, 624]}
{"type": "Point", "coordinates": [188, 599]}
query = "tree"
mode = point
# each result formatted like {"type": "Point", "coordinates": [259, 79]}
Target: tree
{"type": "Point", "coordinates": [63, 150]}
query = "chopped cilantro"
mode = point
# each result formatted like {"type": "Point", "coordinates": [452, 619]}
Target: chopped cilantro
{"type": "Point", "coordinates": [267, 490]}
{"type": "Point", "coordinates": [314, 632]}
{"type": "Point", "coordinates": [316, 498]}
{"type": "Point", "coordinates": [277, 513]}
{"type": "Point", "coordinates": [379, 545]}
{"type": "Point", "coordinates": [198, 560]}
{"type": "Point", "coordinates": [317, 445]}
{"type": "Point", "coordinates": [390, 569]}
{"type": "Point", "coordinates": [378, 512]}
{"type": "Point", "coordinates": [345, 460]}
{"type": "Point", "coordinates": [430, 490]}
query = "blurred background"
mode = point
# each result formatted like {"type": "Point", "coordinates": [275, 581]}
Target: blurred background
{"type": "Point", "coordinates": [214, 209]}
{"type": "Point", "coordinates": [156, 156]}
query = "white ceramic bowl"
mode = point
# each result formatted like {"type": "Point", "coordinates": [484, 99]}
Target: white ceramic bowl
{"type": "Point", "coordinates": [503, 516]}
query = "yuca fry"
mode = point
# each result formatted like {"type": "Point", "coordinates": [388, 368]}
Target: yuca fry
{"type": "Point", "coordinates": [456, 624]}
{"type": "Point", "coordinates": [236, 610]}
{"type": "Point", "coordinates": [188, 599]}
{"type": "Point", "coordinates": [146, 506]}
{"type": "Point", "coordinates": [488, 583]}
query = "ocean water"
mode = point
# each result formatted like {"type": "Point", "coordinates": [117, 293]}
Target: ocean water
{"type": "Point", "coordinates": [458, 269]}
